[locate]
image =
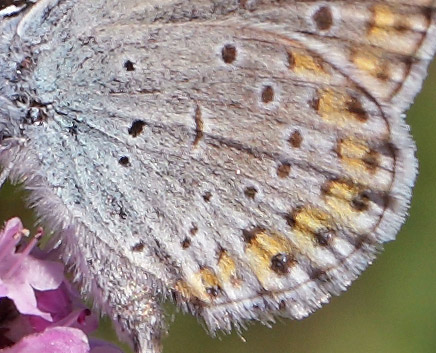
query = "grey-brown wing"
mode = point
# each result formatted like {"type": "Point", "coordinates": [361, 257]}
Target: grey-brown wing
{"type": "Point", "coordinates": [249, 157]}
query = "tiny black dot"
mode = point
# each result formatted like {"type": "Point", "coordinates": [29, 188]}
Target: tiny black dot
{"type": "Point", "coordinates": [136, 128]}
{"type": "Point", "coordinates": [323, 237]}
{"type": "Point", "coordinates": [296, 139]}
{"type": "Point", "coordinates": [360, 202]}
{"type": "Point", "coordinates": [124, 161]}
{"type": "Point", "coordinates": [122, 214]}
{"type": "Point", "coordinates": [290, 219]}
{"type": "Point", "coordinates": [323, 18]}
{"type": "Point", "coordinates": [283, 170]}
{"type": "Point", "coordinates": [250, 234]}
{"type": "Point", "coordinates": [250, 192]}
{"type": "Point", "coordinates": [129, 66]}
{"type": "Point", "coordinates": [138, 247]}
{"type": "Point", "coordinates": [267, 94]}
{"type": "Point", "coordinates": [186, 243]}
{"type": "Point", "coordinates": [355, 107]}
{"type": "Point", "coordinates": [315, 103]}
{"type": "Point", "coordinates": [291, 60]}
{"type": "Point", "coordinates": [213, 291]}
{"type": "Point", "coordinates": [281, 263]}
{"type": "Point", "coordinates": [318, 274]}
{"type": "Point", "coordinates": [207, 196]}
{"type": "Point", "coordinates": [228, 53]}
{"type": "Point", "coordinates": [194, 229]}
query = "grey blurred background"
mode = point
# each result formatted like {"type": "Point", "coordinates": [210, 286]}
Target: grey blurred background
{"type": "Point", "coordinates": [391, 308]}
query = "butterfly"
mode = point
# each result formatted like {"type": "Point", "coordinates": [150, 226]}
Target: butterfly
{"type": "Point", "coordinates": [247, 159]}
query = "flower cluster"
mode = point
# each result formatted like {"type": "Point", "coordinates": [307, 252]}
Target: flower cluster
{"type": "Point", "coordinates": [40, 312]}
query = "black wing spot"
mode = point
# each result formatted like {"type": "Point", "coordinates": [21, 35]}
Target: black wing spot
{"type": "Point", "coordinates": [283, 170]}
{"type": "Point", "coordinates": [194, 229]}
{"type": "Point", "coordinates": [136, 128]}
{"type": "Point", "coordinates": [124, 161]}
{"type": "Point", "coordinates": [207, 196]}
{"type": "Point", "coordinates": [129, 66]}
{"type": "Point", "coordinates": [228, 53]}
{"type": "Point", "coordinates": [281, 263]}
{"type": "Point", "coordinates": [138, 247]}
{"type": "Point", "coordinates": [250, 192]}
{"type": "Point", "coordinates": [323, 18]}
{"type": "Point", "coordinates": [267, 94]}
{"type": "Point", "coordinates": [295, 139]}
{"type": "Point", "coordinates": [186, 243]}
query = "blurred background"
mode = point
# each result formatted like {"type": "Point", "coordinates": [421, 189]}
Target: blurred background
{"type": "Point", "coordinates": [391, 308]}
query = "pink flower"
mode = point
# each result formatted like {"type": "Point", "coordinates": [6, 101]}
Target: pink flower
{"type": "Point", "coordinates": [21, 274]}
{"type": "Point", "coordinates": [60, 340]}
{"type": "Point", "coordinates": [39, 310]}
{"type": "Point", "coordinates": [65, 308]}
{"type": "Point", "coordinates": [52, 340]}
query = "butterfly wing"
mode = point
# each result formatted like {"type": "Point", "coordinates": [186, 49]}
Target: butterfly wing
{"type": "Point", "coordinates": [248, 158]}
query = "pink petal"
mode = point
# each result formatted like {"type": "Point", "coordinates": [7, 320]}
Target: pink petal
{"type": "Point", "coordinates": [3, 290]}
{"type": "Point", "coordinates": [57, 302]}
{"type": "Point", "coordinates": [65, 310]}
{"type": "Point", "coordinates": [43, 275]}
{"type": "Point", "coordinates": [52, 340]}
{"type": "Point", "coordinates": [12, 227]}
{"type": "Point", "coordinates": [29, 275]}
{"type": "Point", "coordinates": [25, 301]}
